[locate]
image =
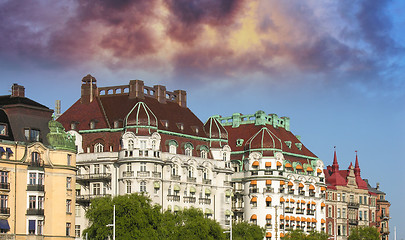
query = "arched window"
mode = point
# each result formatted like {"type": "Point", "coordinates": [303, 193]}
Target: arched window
{"type": "Point", "coordinates": [98, 147]}
{"type": "Point", "coordinates": [188, 152]}
{"type": "Point", "coordinates": [142, 186]}
{"type": "Point", "coordinates": [130, 144]}
{"type": "Point", "coordinates": [190, 172]}
{"type": "Point", "coordinates": [203, 154]}
{"type": "Point", "coordinates": [224, 156]}
{"type": "Point", "coordinates": [172, 149]}
{"type": "Point", "coordinates": [153, 145]}
{"type": "Point", "coordinates": [188, 149]}
{"type": "Point", "coordinates": [205, 174]}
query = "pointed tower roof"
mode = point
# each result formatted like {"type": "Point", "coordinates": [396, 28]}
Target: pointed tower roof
{"type": "Point", "coordinates": [360, 182]}
{"type": "Point", "coordinates": [356, 166]}
{"type": "Point", "coordinates": [335, 178]}
{"type": "Point", "coordinates": [335, 165]}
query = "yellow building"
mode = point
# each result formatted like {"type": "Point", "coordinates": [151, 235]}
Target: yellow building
{"type": "Point", "coordinates": [37, 171]}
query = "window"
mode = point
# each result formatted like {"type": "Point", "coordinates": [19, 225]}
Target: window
{"type": "Point", "coordinates": [129, 167]}
{"type": "Point", "coordinates": [172, 149]}
{"type": "Point", "coordinates": [77, 210]}
{"type": "Point", "coordinates": [224, 156]}
{"type": "Point", "coordinates": [73, 126]}
{"type": "Point", "coordinates": [77, 231]}
{"type": "Point", "coordinates": [31, 226]}
{"type": "Point", "coordinates": [32, 202]}
{"type": "Point", "coordinates": [40, 202]}
{"type": "Point", "coordinates": [3, 129]}
{"type": "Point", "coordinates": [96, 189]}
{"type": "Point", "coordinates": [3, 202]}
{"type": "Point", "coordinates": [130, 144]}
{"type": "Point", "coordinates": [40, 226]}
{"type": "Point", "coordinates": [338, 197]}
{"type": "Point", "coordinates": [190, 172]}
{"type": "Point", "coordinates": [3, 177]}
{"type": "Point", "coordinates": [143, 145]}
{"type": "Point", "coordinates": [343, 230]}
{"type": "Point", "coordinates": [143, 167]}
{"type": "Point", "coordinates": [205, 174]}
{"type": "Point", "coordinates": [41, 179]}
{"type": "Point", "coordinates": [175, 170]}
{"type": "Point", "coordinates": [188, 152]}
{"type": "Point", "coordinates": [31, 135]}
{"type": "Point", "coordinates": [360, 200]}
{"type": "Point", "coordinates": [372, 217]}
{"type": "Point", "coordinates": [129, 187]}
{"type": "Point", "coordinates": [68, 229]}
{"type": "Point", "coordinates": [68, 206]}
{"type": "Point", "coordinates": [339, 213]}
{"type": "Point", "coordinates": [339, 230]}
{"type": "Point", "coordinates": [35, 159]}
{"type": "Point", "coordinates": [344, 197]}
{"type": "Point", "coordinates": [153, 145]}
{"type": "Point", "coordinates": [93, 124]}
{"type": "Point", "coordinates": [330, 228]}
{"type": "Point", "coordinates": [203, 154]}
{"type": "Point", "coordinates": [69, 159]}
{"type": "Point", "coordinates": [360, 215]}
{"type": "Point", "coordinates": [98, 147]}
{"type": "Point", "coordinates": [68, 182]}
{"type": "Point", "coordinates": [330, 212]}
{"type": "Point", "coordinates": [344, 212]}
{"type": "Point", "coordinates": [96, 168]}
{"type": "Point", "coordinates": [351, 198]}
{"type": "Point", "coordinates": [365, 199]}
{"type": "Point", "coordinates": [32, 178]}
{"type": "Point", "coordinates": [142, 186]}
{"type": "Point", "coordinates": [365, 215]}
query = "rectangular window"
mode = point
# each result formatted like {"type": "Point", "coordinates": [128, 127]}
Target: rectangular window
{"type": "Point", "coordinates": [3, 129]}
{"type": "Point", "coordinates": [129, 187]}
{"type": "Point", "coordinates": [143, 145]}
{"type": "Point", "coordinates": [40, 226]}
{"type": "Point", "coordinates": [32, 202]}
{"type": "Point", "coordinates": [77, 210]}
{"type": "Point", "coordinates": [365, 215]}
{"type": "Point", "coordinates": [360, 215]}
{"type": "Point", "coordinates": [365, 200]}
{"type": "Point", "coordinates": [31, 135]}
{"type": "Point", "coordinates": [129, 167]}
{"type": "Point", "coordinates": [338, 197]}
{"type": "Point", "coordinates": [77, 231]}
{"type": "Point", "coordinates": [68, 225]}
{"type": "Point", "coordinates": [68, 206]}
{"type": "Point", "coordinates": [32, 178]}
{"type": "Point", "coordinates": [339, 230]}
{"type": "Point", "coordinates": [338, 213]}
{"type": "Point", "coordinates": [96, 189]}
{"type": "Point", "coordinates": [360, 200]}
{"type": "Point", "coordinates": [143, 167]}
{"type": "Point", "coordinates": [372, 217]}
{"type": "Point", "coordinates": [344, 197]}
{"type": "Point", "coordinates": [96, 168]}
{"type": "Point", "coordinates": [69, 159]}
{"type": "Point", "coordinates": [40, 202]}
{"type": "Point", "coordinates": [68, 182]}
{"type": "Point", "coordinates": [344, 212]}
{"type": "Point", "coordinates": [31, 226]}
{"type": "Point", "coordinates": [344, 230]}
{"type": "Point", "coordinates": [330, 212]}
{"type": "Point", "coordinates": [40, 179]}
{"type": "Point", "coordinates": [3, 201]}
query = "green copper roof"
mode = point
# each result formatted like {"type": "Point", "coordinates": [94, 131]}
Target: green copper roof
{"type": "Point", "coordinates": [58, 138]}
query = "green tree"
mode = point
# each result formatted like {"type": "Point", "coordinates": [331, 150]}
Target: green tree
{"type": "Point", "coordinates": [247, 231]}
{"type": "Point", "coordinates": [364, 233]}
{"type": "Point", "coordinates": [300, 235]}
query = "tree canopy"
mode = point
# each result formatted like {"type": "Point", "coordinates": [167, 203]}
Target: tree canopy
{"type": "Point", "coordinates": [300, 235]}
{"type": "Point", "coordinates": [247, 231]}
{"type": "Point", "coordinates": [364, 233]}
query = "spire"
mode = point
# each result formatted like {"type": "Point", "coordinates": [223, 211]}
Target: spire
{"type": "Point", "coordinates": [335, 165]}
{"type": "Point", "coordinates": [356, 166]}
{"type": "Point", "coordinates": [351, 165]}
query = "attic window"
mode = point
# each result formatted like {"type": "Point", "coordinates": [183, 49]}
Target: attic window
{"type": "Point", "coordinates": [239, 142]}
{"type": "Point", "coordinates": [180, 126]}
{"type": "Point", "coordinates": [165, 123]}
{"type": "Point", "coordinates": [288, 143]}
{"type": "Point", "coordinates": [92, 124]}
{"type": "Point", "coordinates": [195, 129]}
{"type": "Point", "coordinates": [299, 146]}
{"type": "Point", "coordinates": [3, 129]}
{"type": "Point", "coordinates": [31, 135]}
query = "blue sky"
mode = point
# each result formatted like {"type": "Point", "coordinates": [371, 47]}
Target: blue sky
{"type": "Point", "coordinates": [336, 68]}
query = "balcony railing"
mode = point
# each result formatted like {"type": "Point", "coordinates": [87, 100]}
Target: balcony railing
{"type": "Point", "coordinates": [174, 198]}
{"type": "Point", "coordinates": [5, 211]}
{"type": "Point", "coordinates": [310, 212]}
{"type": "Point", "coordinates": [36, 165]}
{"type": "Point", "coordinates": [143, 173]}
{"type": "Point", "coordinates": [353, 221]}
{"type": "Point", "coordinates": [268, 172]}
{"type": "Point", "coordinates": [35, 211]}
{"type": "Point", "coordinates": [93, 177]}
{"type": "Point", "coordinates": [227, 183]}
{"type": "Point", "coordinates": [36, 187]}
{"type": "Point", "coordinates": [175, 177]}
{"type": "Point", "coordinates": [204, 200]}
{"type": "Point", "coordinates": [311, 194]}
{"type": "Point", "coordinates": [290, 191]}
{"type": "Point", "coordinates": [87, 198]}
{"type": "Point", "coordinates": [5, 186]}
{"type": "Point", "coordinates": [156, 174]}
{"type": "Point", "coordinates": [353, 205]}
{"type": "Point", "coordinates": [253, 190]}
{"type": "Point", "coordinates": [189, 199]}
{"type": "Point", "coordinates": [191, 179]}
{"type": "Point", "coordinates": [227, 222]}
{"type": "Point", "coordinates": [128, 174]}
{"type": "Point", "coordinates": [207, 181]}
{"type": "Point", "coordinates": [289, 210]}
{"type": "Point", "coordinates": [268, 190]}
{"type": "Point", "coordinates": [300, 211]}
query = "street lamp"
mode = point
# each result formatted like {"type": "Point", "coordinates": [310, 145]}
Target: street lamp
{"type": "Point", "coordinates": [112, 225]}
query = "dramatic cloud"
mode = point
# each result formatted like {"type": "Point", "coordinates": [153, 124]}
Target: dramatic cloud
{"type": "Point", "coordinates": [203, 39]}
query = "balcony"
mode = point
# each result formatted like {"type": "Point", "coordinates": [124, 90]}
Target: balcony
{"type": "Point", "coordinates": [128, 174]}
{"type": "Point", "coordinates": [189, 199]}
{"type": "Point", "coordinates": [353, 222]}
{"type": "Point", "coordinates": [143, 174]}
{"type": "Point", "coordinates": [311, 212]}
{"type": "Point", "coordinates": [254, 173]}
{"type": "Point", "coordinates": [312, 194]}
{"type": "Point", "coordinates": [175, 177]}
{"type": "Point", "coordinates": [5, 186]}
{"type": "Point", "coordinates": [36, 187]}
{"type": "Point", "coordinates": [227, 222]}
{"type": "Point", "coordinates": [353, 205]}
{"type": "Point", "coordinates": [290, 191]}
{"type": "Point", "coordinates": [5, 211]}
{"type": "Point", "coordinates": [268, 172]}
{"type": "Point", "coordinates": [174, 198]}
{"type": "Point", "coordinates": [227, 183]}
{"type": "Point", "coordinates": [87, 198]}
{"type": "Point", "coordinates": [156, 174]}
{"type": "Point", "coordinates": [289, 210]}
{"type": "Point", "coordinates": [300, 211]}
{"type": "Point", "coordinates": [35, 211]}
{"type": "Point", "coordinates": [207, 181]}
{"type": "Point", "coordinates": [253, 190]}
{"type": "Point", "coordinates": [268, 190]}
{"type": "Point", "coordinates": [5, 236]}
{"type": "Point", "coordinates": [191, 179]}
{"type": "Point", "coordinates": [36, 165]}
{"type": "Point", "coordinates": [83, 178]}
{"type": "Point", "coordinates": [204, 201]}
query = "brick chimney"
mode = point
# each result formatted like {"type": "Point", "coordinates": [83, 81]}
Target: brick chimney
{"type": "Point", "coordinates": [136, 89]}
{"type": "Point", "coordinates": [181, 97]}
{"type": "Point", "coordinates": [17, 90]}
{"type": "Point", "coordinates": [89, 89]}
{"type": "Point", "coordinates": [160, 93]}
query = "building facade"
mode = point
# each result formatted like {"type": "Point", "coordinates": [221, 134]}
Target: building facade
{"type": "Point", "coordinates": [37, 171]}
{"type": "Point", "coordinates": [278, 183]}
{"type": "Point", "coordinates": [382, 211]}
{"type": "Point", "coordinates": [350, 201]}
{"type": "Point", "coordinates": [135, 138]}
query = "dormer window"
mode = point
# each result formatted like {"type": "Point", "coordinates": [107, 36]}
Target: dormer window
{"type": "Point", "coordinates": [172, 146]}
{"type": "Point", "coordinates": [3, 129]}
{"type": "Point", "coordinates": [153, 144]}
{"type": "Point", "coordinates": [188, 149]}
{"type": "Point", "coordinates": [180, 126]}
{"type": "Point", "coordinates": [288, 143]}
{"type": "Point", "coordinates": [239, 142]}
{"type": "Point", "coordinates": [73, 125]}
{"type": "Point", "coordinates": [203, 154]}
{"type": "Point", "coordinates": [130, 144]}
{"type": "Point", "coordinates": [93, 124]}
{"type": "Point", "coordinates": [299, 146]}
{"type": "Point", "coordinates": [31, 135]}
{"type": "Point", "coordinates": [165, 123]}
{"type": "Point", "coordinates": [98, 147]}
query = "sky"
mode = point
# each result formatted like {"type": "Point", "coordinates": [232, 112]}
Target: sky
{"type": "Point", "coordinates": [336, 68]}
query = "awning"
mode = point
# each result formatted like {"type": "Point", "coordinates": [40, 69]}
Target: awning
{"type": "Point", "coordinates": [318, 170]}
{"type": "Point", "coordinates": [278, 164]}
{"type": "Point", "coordinates": [253, 182]}
{"type": "Point", "coordinates": [192, 189]}
{"type": "Point", "coordinates": [301, 185]}
{"type": "Point", "coordinates": [77, 186]}
{"type": "Point", "coordinates": [281, 217]}
{"type": "Point", "coordinates": [268, 164]}
{"type": "Point", "coordinates": [268, 216]}
{"type": "Point", "coordinates": [268, 182]}
{"type": "Point", "coordinates": [309, 220]}
{"type": "Point", "coordinates": [314, 220]}
{"type": "Point", "coordinates": [299, 167]}
{"type": "Point", "coordinates": [287, 218]}
{"type": "Point", "coordinates": [9, 150]}
{"type": "Point", "coordinates": [253, 217]}
{"type": "Point", "coordinates": [31, 225]}
{"type": "Point", "coordinates": [288, 165]}
{"type": "Point", "coordinates": [4, 224]}
{"type": "Point", "coordinates": [303, 219]}
{"type": "Point", "coordinates": [228, 193]}
{"type": "Point", "coordinates": [313, 203]}
{"type": "Point", "coordinates": [302, 201]}
{"type": "Point", "coordinates": [290, 184]}
{"type": "Point", "coordinates": [281, 234]}
{"type": "Point", "coordinates": [207, 191]}
{"type": "Point", "coordinates": [292, 218]}
{"type": "Point", "coordinates": [322, 204]}
{"type": "Point", "coordinates": [268, 199]}
{"type": "Point", "coordinates": [298, 219]}
{"type": "Point", "coordinates": [2, 150]}
{"type": "Point", "coordinates": [311, 187]}
{"type": "Point", "coordinates": [288, 200]}
{"type": "Point", "coordinates": [292, 200]}
{"type": "Point", "coordinates": [228, 213]}
{"type": "Point", "coordinates": [176, 208]}
{"type": "Point", "coordinates": [156, 185]}
{"type": "Point", "coordinates": [176, 188]}
{"type": "Point", "coordinates": [209, 211]}
{"type": "Point", "coordinates": [309, 169]}
{"type": "Point", "coordinates": [323, 221]}
{"type": "Point", "coordinates": [323, 189]}
{"type": "Point", "coordinates": [254, 199]}
{"type": "Point", "coordinates": [282, 182]}
{"type": "Point", "coordinates": [282, 199]}
{"type": "Point", "coordinates": [255, 164]}
{"type": "Point", "coordinates": [268, 235]}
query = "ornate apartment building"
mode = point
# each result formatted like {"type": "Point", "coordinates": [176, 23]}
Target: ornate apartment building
{"type": "Point", "coordinates": [278, 183]}
{"type": "Point", "coordinates": [351, 202]}
{"type": "Point", "coordinates": [382, 211]}
{"type": "Point", "coordinates": [135, 138]}
{"type": "Point", "coordinates": [37, 171]}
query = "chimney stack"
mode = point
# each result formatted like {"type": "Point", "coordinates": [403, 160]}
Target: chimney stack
{"type": "Point", "coordinates": [181, 98]}
{"type": "Point", "coordinates": [89, 89]}
{"type": "Point", "coordinates": [136, 89]}
{"type": "Point", "coordinates": [160, 93]}
{"type": "Point", "coordinates": [17, 90]}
